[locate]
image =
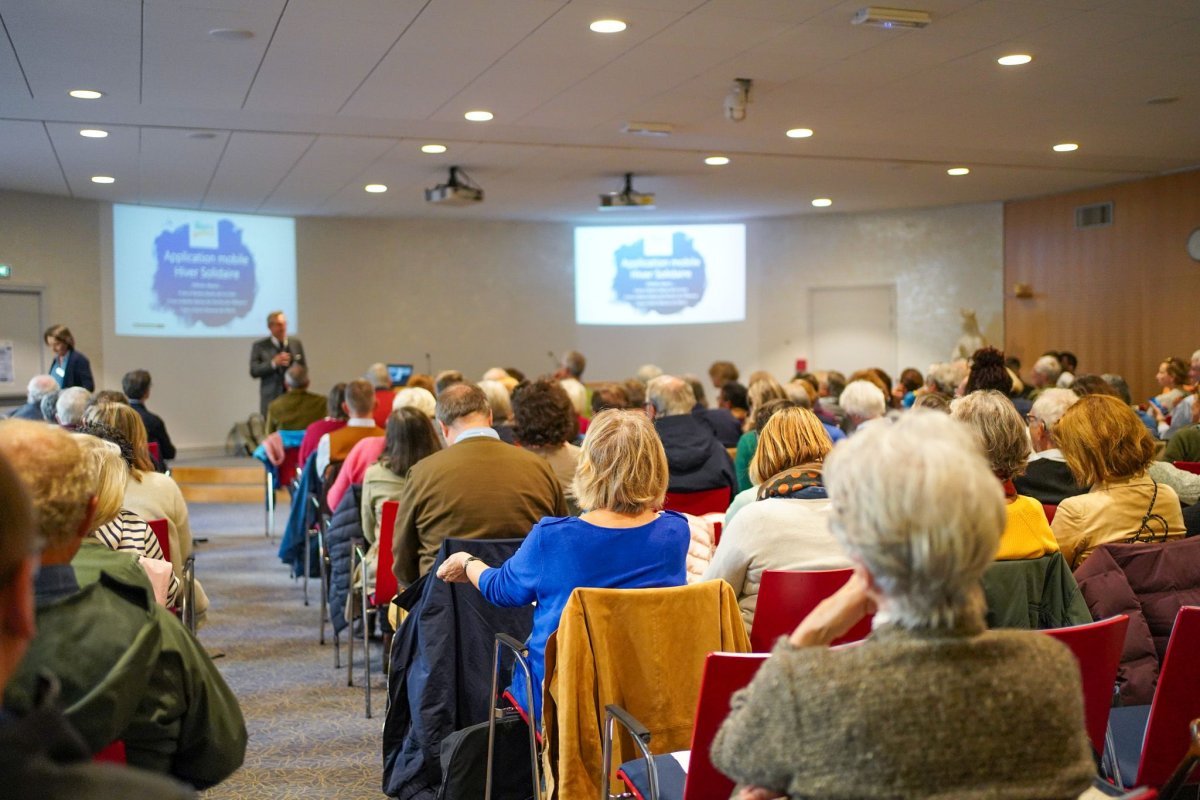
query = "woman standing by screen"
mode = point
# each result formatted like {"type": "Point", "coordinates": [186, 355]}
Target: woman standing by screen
{"type": "Point", "coordinates": [69, 367]}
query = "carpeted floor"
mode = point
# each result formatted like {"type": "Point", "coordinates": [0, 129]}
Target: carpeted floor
{"type": "Point", "coordinates": [308, 735]}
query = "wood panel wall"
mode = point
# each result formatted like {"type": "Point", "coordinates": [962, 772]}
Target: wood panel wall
{"type": "Point", "coordinates": [1121, 297]}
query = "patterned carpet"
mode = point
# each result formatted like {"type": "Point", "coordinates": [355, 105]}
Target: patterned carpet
{"type": "Point", "coordinates": [308, 735]}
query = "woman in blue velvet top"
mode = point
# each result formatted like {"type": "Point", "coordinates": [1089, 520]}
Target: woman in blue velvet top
{"type": "Point", "coordinates": [623, 542]}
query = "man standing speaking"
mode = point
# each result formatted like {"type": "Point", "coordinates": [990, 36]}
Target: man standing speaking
{"type": "Point", "coordinates": [270, 358]}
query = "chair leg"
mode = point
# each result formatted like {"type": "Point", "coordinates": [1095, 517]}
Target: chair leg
{"type": "Point", "coordinates": [337, 650]}
{"type": "Point", "coordinates": [270, 504]}
{"type": "Point", "coordinates": [307, 561]}
{"type": "Point", "coordinates": [324, 584]}
{"type": "Point", "coordinates": [366, 628]}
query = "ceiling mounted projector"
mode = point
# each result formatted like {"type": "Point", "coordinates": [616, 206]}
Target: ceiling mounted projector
{"type": "Point", "coordinates": [627, 198]}
{"type": "Point", "coordinates": [460, 190]}
{"type": "Point", "coordinates": [891, 17]}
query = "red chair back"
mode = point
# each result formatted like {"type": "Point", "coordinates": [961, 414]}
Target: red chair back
{"type": "Point", "coordinates": [1189, 466]}
{"type": "Point", "coordinates": [154, 451]}
{"type": "Point", "coordinates": [114, 753]}
{"type": "Point", "coordinates": [1176, 701]}
{"type": "Point", "coordinates": [287, 469]}
{"type": "Point", "coordinates": [785, 597]}
{"type": "Point", "coordinates": [709, 501]}
{"type": "Point", "coordinates": [1097, 647]}
{"type": "Point", "coordinates": [724, 674]}
{"type": "Point", "coordinates": [385, 582]}
{"type": "Point", "coordinates": [159, 526]}
{"type": "Point", "coordinates": [1049, 508]}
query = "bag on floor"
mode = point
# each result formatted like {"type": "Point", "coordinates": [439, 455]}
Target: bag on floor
{"type": "Point", "coordinates": [464, 761]}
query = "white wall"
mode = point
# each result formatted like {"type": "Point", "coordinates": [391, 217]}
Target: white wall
{"type": "Point", "coordinates": [480, 294]}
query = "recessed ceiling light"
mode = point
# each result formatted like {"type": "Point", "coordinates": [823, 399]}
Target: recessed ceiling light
{"type": "Point", "coordinates": [478, 116]}
{"type": "Point", "coordinates": [608, 26]}
{"type": "Point", "coordinates": [799, 133]}
{"type": "Point", "coordinates": [231, 34]}
{"type": "Point", "coordinates": [716, 161]}
{"type": "Point", "coordinates": [375, 188]}
{"type": "Point", "coordinates": [1014, 60]}
{"type": "Point", "coordinates": [93, 133]}
{"type": "Point", "coordinates": [433, 148]}
{"type": "Point", "coordinates": [85, 94]}
{"type": "Point", "coordinates": [1162, 101]}
{"type": "Point", "coordinates": [202, 135]}
{"type": "Point", "coordinates": [958, 171]}
{"type": "Point", "coordinates": [822, 202]}
{"type": "Point", "coordinates": [1065, 147]}
{"type": "Point", "coordinates": [103, 179]}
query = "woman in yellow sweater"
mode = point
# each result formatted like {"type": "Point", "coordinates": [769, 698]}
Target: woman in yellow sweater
{"type": "Point", "coordinates": [998, 427]}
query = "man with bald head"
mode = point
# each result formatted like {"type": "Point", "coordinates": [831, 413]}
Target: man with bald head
{"type": "Point", "coordinates": [41, 755]}
{"type": "Point", "coordinates": [39, 386]}
{"type": "Point", "coordinates": [129, 669]}
{"type": "Point", "coordinates": [696, 460]}
{"type": "Point", "coordinates": [477, 488]}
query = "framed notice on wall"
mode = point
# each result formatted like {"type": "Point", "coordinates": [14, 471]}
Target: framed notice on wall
{"type": "Point", "coordinates": [22, 353]}
{"type": "Point", "coordinates": [7, 375]}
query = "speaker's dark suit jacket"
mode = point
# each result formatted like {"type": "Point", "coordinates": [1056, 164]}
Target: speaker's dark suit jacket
{"type": "Point", "coordinates": [270, 375]}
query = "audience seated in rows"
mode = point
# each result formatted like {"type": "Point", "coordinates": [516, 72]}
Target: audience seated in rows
{"type": "Point", "coordinates": [70, 406]}
{"type": "Point", "coordinates": [864, 402]}
{"type": "Point", "coordinates": [1184, 444]}
{"type": "Point", "coordinates": [786, 527]}
{"type": "Point", "coordinates": [696, 461]}
{"type": "Point", "coordinates": [622, 542]}
{"type": "Point", "coordinates": [478, 488]}
{"type": "Point", "coordinates": [997, 426]}
{"type": "Point", "coordinates": [41, 754]}
{"type": "Point", "coordinates": [379, 377]}
{"type": "Point", "coordinates": [1171, 376]}
{"type": "Point", "coordinates": [297, 407]}
{"type": "Point", "coordinates": [1047, 478]}
{"type": "Point", "coordinates": [726, 427]}
{"type": "Point", "coordinates": [129, 670]}
{"type": "Point", "coordinates": [1186, 411]}
{"type": "Point", "coordinates": [758, 395]}
{"type": "Point", "coordinates": [336, 445]}
{"type": "Point", "coordinates": [335, 418]}
{"type": "Point", "coordinates": [798, 729]}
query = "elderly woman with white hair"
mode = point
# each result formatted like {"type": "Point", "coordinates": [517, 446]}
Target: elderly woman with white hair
{"type": "Point", "coordinates": [997, 426]}
{"type": "Point", "coordinates": [932, 703]}
{"type": "Point", "coordinates": [863, 402]}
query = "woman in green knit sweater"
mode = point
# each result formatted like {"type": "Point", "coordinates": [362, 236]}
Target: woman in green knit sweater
{"type": "Point", "coordinates": [931, 704]}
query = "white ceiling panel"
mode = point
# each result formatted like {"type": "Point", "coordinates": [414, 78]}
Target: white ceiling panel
{"type": "Point", "coordinates": [322, 51]}
{"type": "Point", "coordinates": [252, 165]}
{"type": "Point", "coordinates": [27, 161]}
{"type": "Point", "coordinates": [78, 44]}
{"type": "Point", "coordinates": [176, 168]}
{"type": "Point", "coordinates": [324, 169]}
{"type": "Point", "coordinates": [13, 88]}
{"type": "Point", "coordinates": [446, 47]}
{"type": "Point", "coordinates": [185, 66]}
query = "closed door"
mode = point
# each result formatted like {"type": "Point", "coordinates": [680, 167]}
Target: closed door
{"type": "Point", "coordinates": [853, 327]}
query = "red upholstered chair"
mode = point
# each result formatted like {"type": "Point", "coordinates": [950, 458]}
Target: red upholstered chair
{"type": "Point", "coordinates": [155, 452]}
{"type": "Point", "coordinates": [1049, 508]}
{"type": "Point", "coordinates": [114, 753]}
{"type": "Point", "coordinates": [724, 674]}
{"type": "Point", "coordinates": [1097, 647]}
{"type": "Point", "coordinates": [376, 603]}
{"type": "Point", "coordinates": [159, 527]}
{"type": "Point", "coordinates": [1189, 466]}
{"type": "Point", "coordinates": [708, 501]}
{"type": "Point", "coordinates": [1147, 742]}
{"type": "Point", "coordinates": [785, 597]}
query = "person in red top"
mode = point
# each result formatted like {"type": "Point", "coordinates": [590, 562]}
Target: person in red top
{"type": "Point", "coordinates": [335, 420]}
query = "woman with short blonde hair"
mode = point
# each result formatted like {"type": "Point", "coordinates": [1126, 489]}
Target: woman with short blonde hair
{"type": "Point", "coordinates": [783, 522]}
{"type": "Point", "coordinates": [623, 540]}
{"type": "Point", "coordinates": [1107, 447]}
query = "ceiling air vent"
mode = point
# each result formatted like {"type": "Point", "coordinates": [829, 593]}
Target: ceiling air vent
{"type": "Point", "coordinates": [1097, 215]}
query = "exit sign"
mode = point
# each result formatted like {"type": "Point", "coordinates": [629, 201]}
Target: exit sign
{"type": "Point", "coordinates": [5, 271]}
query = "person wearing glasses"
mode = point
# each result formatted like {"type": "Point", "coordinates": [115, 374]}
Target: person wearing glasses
{"type": "Point", "coordinates": [1047, 477]}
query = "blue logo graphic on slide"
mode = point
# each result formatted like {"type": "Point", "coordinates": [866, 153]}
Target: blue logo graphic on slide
{"type": "Point", "coordinates": [204, 274]}
{"type": "Point", "coordinates": [664, 283]}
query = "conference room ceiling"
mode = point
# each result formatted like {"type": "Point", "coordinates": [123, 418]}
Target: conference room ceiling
{"type": "Point", "coordinates": [327, 96]}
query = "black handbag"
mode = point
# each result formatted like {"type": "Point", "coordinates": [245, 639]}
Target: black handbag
{"type": "Point", "coordinates": [464, 761]}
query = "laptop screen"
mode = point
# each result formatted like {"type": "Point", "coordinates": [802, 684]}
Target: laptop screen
{"type": "Point", "coordinates": [399, 373]}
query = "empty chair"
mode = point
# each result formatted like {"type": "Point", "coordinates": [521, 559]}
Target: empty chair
{"type": "Point", "coordinates": [1097, 648]}
{"type": "Point", "coordinates": [1147, 742]}
{"type": "Point", "coordinates": [785, 598]}
{"type": "Point", "coordinates": [724, 674]}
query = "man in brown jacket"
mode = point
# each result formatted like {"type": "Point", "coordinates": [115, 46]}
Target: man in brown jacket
{"type": "Point", "coordinates": [477, 488]}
